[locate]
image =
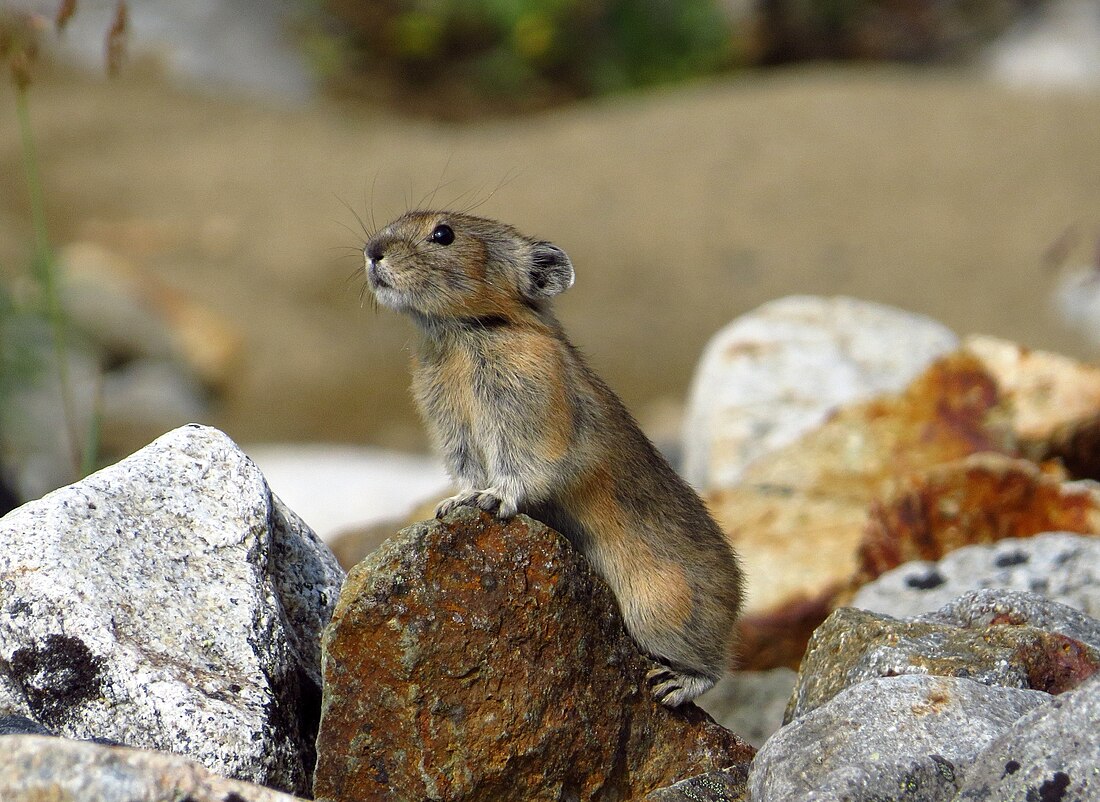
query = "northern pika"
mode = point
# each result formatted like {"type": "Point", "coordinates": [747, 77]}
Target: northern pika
{"type": "Point", "coordinates": [526, 426]}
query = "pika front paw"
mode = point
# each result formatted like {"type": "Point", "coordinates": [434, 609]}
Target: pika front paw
{"type": "Point", "coordinates": [673, 688]}
{"type": "Point", "coordinates": [449, 505]}
{"type": "Point", "coordinates": [489, 500]}
{"type": "Point", "coordinates": [492, 501]}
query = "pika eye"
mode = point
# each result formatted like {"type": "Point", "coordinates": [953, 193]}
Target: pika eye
{"type": "Point", "coordinates": [442, 234]}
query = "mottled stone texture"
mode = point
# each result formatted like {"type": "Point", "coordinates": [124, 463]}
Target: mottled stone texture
{"type": "Point", "coordinates": [35, 768]}
{"type": "Point", "coordinates": [727, 785]}
{"type": "Point", "coordinates": [910, 738]}
{"type": "Point", "coordinates": [779, 371]}
{"type": "Point", "coordinates": [1060, 566]}
{"type": "Point", "coordinates": [170, 602]}
{"type": "Point", "coordinates": [981, 499]}
{"type": "Point", "coordinates": [473, 660]}
{"type": "Point", "coordinates": [1013, 640]}
{"type": "Point", "coordinates": [1050, 755]}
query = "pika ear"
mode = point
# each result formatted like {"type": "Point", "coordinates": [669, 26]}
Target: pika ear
{"type": "Point", "coordinates": [549, 271]}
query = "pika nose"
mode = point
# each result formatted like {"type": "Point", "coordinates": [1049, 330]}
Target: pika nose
{"type": "Point", "coordinates": [375, 252]}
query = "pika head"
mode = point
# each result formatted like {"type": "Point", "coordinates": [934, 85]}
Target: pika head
{"type": "Point", "coordinates": [440, 265]}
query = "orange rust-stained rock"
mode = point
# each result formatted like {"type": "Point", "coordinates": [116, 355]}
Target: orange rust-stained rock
{"type": "Point", "coordinates": [1047, 392]}
{"type": "Point", "coordinates": [1054, 402]}
{"type": "Point", "coordinates": [980, 499]}
{"type": "Point", "coordinates": [799, 514]}
{"type": "Point", "coordinates": [473, 660]}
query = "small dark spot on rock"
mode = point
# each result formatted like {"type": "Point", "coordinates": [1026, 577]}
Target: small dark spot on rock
{"type": "Point", "coordinates": [1054, 790]}
{"type": "Point", "coordinates": [378, 770]}
{"type": "Point", "coordinates": [234, 688]}
{"type": "Point", "coordinates": [19, 607]}
{"type": "Point", "coordinates": [1010, 558]}
{"type": "Point", "coordinates": [933, 579]}
{"type": "Point", "coordinates": [1065, 556]}
{"type": "Point", "coordinates": [488, 582]}
{"type": "Point", "coordinates": [1039, 585]}
{"type": "Point", "coordinates": [91, 505]}
{"type": "Point", "coordinates": [1011, 767]}
{"type": "Point", "coordinates": [56, 675]}
{"type": "Point", "coordinates": [233, 796]}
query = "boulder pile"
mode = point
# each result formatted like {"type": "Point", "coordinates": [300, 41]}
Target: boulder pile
{"type": "Point", "coordinates": [920, 543]}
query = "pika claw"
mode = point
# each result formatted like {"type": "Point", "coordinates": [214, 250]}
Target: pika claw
{"type": "Point", "coordinates": [492, 501]}
{"type": "Point", "coordinates": [673, 688]}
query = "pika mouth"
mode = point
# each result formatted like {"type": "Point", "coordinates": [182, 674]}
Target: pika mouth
{"type": "Point", "coordinates": [375, 277]}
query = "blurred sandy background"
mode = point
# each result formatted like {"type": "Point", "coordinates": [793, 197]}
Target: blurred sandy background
{"type": "Point", "coordinates": [944, 191]}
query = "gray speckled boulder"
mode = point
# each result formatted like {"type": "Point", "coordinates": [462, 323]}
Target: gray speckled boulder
{"type": "Point", "coordinates": [1062, 566]}
{"type": "Point", "coordinates": [36, 768]}
{"type": "Point", "coordinates": [1051, 754]}
{"type": "Point", "coordinates": [170, 602]}
{"type": "Point", "coordinates": [907, 738]}
{"type": "Point", "coordinates": [1014, 640]}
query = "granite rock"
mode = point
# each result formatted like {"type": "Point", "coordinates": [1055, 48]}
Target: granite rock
{"type": "Point", "coordinates": [1050, 754]}
{"type": "Point", "coordinates": [1061, 566]}
{"type": "Point", "coordinates": [470, 659]}
{"type": "Point", "coordinates": [902, 737]}
{"type": "Point", "coordinates": [992, 646]}
{"type": "Point", "coordinates": [34, 768]}
{"type": "Point", "coordinates": [170, 602]}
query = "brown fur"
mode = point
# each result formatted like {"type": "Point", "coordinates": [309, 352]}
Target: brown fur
{"type": "Point", "coordinates": [526, 426]}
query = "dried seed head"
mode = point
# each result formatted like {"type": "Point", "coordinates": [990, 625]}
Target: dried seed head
{"type": "Point", "coordinates": [116, 38]}
{"type": "Point", "coordinates": [65, 10]}
{"type": "Point", "coordinates": [19, 34]}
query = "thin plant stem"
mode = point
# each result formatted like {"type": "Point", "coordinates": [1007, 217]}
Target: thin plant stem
{"type": "Point", "coordinates": [45, 272]}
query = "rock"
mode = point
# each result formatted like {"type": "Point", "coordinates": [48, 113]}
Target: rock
{"type": "Point", "coordinates": [35, 768]}
{"type": "Point", "coordinates": [469, 659]}
{"type": "Point", "coordinates": [1061, 566]}
{"type": "Point", "coordinates": [906, 737]}
{"type": "Point", "coordinates": [995, 639]}
{"type": "Point", "coordinates": [21, 725]}
{"type": "Point", "coordinates": [981, 499]}
{"type": "Point", "coordinates": [727, 785]}
{"type": "Point", "coordinates": [987, 608]}
{"type": "Point", "coordinates": [1052, 753]}
{"type": "Point", "coordinates": [774, 374]}
{"type": "Point", "coordinates": [1049, 395]}
{"type": "Point", "coordinates": [750, 703]}
{"type": "Point", "coordinates": [170, 602]}
{"type": "Point", "coordinates": [799, 514]}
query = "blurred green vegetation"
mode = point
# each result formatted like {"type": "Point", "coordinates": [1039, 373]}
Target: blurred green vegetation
{"type": "Point", "coordinates": [515, 53]}
{"type": "Point", "coordinates": [461, 58]}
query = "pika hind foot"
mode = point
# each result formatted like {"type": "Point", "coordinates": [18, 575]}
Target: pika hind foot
{"type": "Point", "coordinates": [673, 688]}
{"type": "Point", "coordinates": [488, 499]}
